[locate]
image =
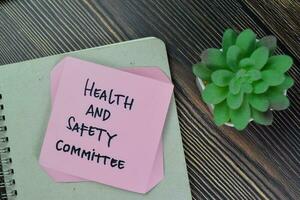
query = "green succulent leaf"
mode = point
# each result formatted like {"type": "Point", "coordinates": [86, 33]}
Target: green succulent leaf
{"type": "Point", "coordinates": [241, 116]}
{"type": "Point", "coordinates": [229, 38]}
{"type": "Point", "coordinates": [281, 63]}
{"type": "Point", "coordinates": [260, 87]}
{"type": "Point", "coordinates": [278, 101]}
{"type": "Point", "coordinates": [233, 57]}
{"type": "Point", "coordinates": [213, 59]}
{"type": "Point", "coordinates": [287, 83]}
{"type": "Point", "coordinates": [200, 70]}
{"type": "Point", "coordinates": [222, 77]}
{"type": "Point", "coordinates": [260, 57]}
{"type": "Point", "coordinates": [272, 77]}
{"type": "Point", "coordinates": [263, 118]}
{"type": "Point", "coordinates": [246, 88]}
{"type": "Point", "coordinates": [259, 101]}
{"type": "Point", "coordinates": [213, 94]}
{"type": "Point", "coordinates": [246, 41]}
{"type": "Point", "coordinates": [221, 113]}
{"type": "Point", "coordinates": [235, 86]}
{"type": "Point", "coordinates": [234, 101]}
{"type": "Point", "coordinates": [254, 75]}
{"type": "Point", "coordinates": [241, 73]}
{"type": "Point", "coordinates": [268, 41]}
{"type": "Point", "coordinates": [246, 63]}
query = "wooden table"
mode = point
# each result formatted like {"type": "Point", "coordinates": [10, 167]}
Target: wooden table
{"type": "Point", "coordinates": [258, 163]}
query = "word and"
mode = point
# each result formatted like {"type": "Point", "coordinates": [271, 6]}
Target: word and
{"type": "Point", "coordinates": [89, 155]}
{"type": "Point", "coordinates": [82, 129]}
{"type": "Point", "coordinates": [108, 95]}
{"type": "Point", "coordinates": [98, 112]}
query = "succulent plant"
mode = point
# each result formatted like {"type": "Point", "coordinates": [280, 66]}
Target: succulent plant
{"type": "Point", "coordinates": [244, 80]}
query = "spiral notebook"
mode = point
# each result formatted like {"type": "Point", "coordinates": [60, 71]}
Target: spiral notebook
{"type": "Point", "coordinates": [26, 103]}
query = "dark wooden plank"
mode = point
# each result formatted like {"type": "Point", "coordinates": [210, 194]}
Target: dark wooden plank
{"type": "Point", "coordinates": [260, 163]}
{"type": "Point", "coordinates": [282, 19]}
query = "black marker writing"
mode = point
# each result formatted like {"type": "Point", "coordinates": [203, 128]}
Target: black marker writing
{"type": "Point", "coordinates": [89, 155]}
{"type": "Point", "coordinates": [108, 95]}
{"type": "Point", "coordinates": [98, 112]}
{"type": "Point", "coordinates": [82, 129]}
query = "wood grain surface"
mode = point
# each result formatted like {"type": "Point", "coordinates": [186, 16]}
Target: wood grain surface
{"type": "Point", "coordinates": [258, 163]}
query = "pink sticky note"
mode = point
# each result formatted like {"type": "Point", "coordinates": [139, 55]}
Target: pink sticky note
{"type": "Point", "coordinates": [151, 72]}
{"type": "Point", "coordinates": [125, 155]}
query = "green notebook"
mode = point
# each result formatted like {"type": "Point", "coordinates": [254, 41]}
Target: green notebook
{"type": "Point", "coordinates": [25, 89]}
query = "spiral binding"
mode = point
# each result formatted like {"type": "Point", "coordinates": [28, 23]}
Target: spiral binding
{"type": "Point", "coordinates": [7, 183]}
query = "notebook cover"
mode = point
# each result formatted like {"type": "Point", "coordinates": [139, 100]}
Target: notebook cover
{"type": "Point", "coordinates": [25, 88]}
